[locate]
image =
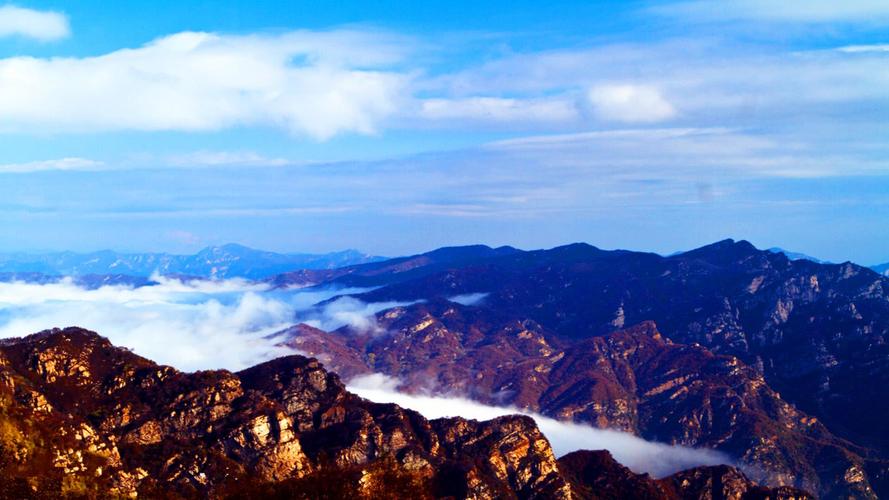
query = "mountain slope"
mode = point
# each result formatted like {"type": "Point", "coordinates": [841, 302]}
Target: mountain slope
{"type": "Point", "coordinates": [634, 380]}
{"type": "Point", "coordinates": [820, 333]}
{"type": "Point", "coordinates": [390, 271]}
{"type": "Point", "coordinates": [80, 418]}
{"type": "Point", "coordinates": [79, 415]}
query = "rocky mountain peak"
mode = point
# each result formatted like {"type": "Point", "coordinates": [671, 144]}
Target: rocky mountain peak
{"type": "Point", "coordinates": [80, 417]}
{"type": "Point", "coordinates": [723, 252]}
{"type": "Point", "coordinates": [113, 423]}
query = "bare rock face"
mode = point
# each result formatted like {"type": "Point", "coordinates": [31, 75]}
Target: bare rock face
{"type": "Point", "coordinates": [81, 417]}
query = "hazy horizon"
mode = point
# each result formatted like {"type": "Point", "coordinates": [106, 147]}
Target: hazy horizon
{"type": "Point", "coordinates": [646, 125]}
{"type": "Point", "coordinates": [295, 251]}
{"type": "Point", "coordinates": [285, 251]}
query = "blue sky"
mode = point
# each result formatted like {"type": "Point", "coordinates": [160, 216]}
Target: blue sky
{"type": "Point", "coordinates": [396, 127]}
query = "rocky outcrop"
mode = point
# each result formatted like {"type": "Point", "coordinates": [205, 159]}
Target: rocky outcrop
{"type": "Point", "coordinates": [81, 417]}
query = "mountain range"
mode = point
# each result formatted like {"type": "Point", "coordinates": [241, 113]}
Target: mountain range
{"type": "Point", "coordinates": [84, 419]}
{"type": "Point", "coordinates": [780, 363]}
{"type": "Point", "coordinates": [783, 364]}
{"type": "Point", "coordinates": [880, 268]}
{"type": "Point", "coordinates": [217, 262]}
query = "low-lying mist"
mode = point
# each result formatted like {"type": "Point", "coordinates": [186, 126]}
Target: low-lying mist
{"type": "Point", "coordinates": [641, 456]}
{"type": "Point", "coordinates": [348, 311]}
{"type": "Point", "coordinates": [191, 325]}
{"type": "Point", "coordinates": [231, 324]}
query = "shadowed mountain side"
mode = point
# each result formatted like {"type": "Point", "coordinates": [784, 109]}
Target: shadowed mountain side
{"type": "Point", "coordinates": [819, 333]}
{"type": "Point", "coordinates": [595, 475]}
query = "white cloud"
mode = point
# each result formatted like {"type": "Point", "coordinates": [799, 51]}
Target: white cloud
{"type": "Point", "coordinates": [665, 154]}
{"type": "Point", "coordinates": [39, 25]}
{"type": "Point", "coordinates": [351, 312]}
{"type": "Point", "coordinates": [630, 103]}
{"type": "Point", "coordinates": [709, 83]}
{"type": "Point", "coordinates": [813, 11]}
{"type": "Point", "coordinates": [649, 134]}
{"type": "Point", "coordinates": [191, 325]}
{"type": "Point", "coordinates": [226, 158]}
{"type": "Point", "coordinates": [194, 325]}
{"type": "Point", "coordinates": [641, 456]}
{"type": "Point", "coordinates": [469, 299]}
{"type": "Point", "coordinates": [311, 83]}
{"type": "Point", "coordinates": [497, 109]}
{"type": "Point", "coordinates": [58, 164]}
{"type": "Point", "coordinates": [855, 49]}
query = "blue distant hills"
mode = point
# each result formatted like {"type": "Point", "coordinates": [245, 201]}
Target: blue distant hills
{"type": "Point", "coordinates": [880, 268]}
{"type": "Point", "coordinates": [797, 255]}
{"type": "Point", "coordinates": [216, 262]}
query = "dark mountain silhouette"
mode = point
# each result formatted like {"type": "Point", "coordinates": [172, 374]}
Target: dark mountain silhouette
{"type": "Point", "coordinates": [808, 340]}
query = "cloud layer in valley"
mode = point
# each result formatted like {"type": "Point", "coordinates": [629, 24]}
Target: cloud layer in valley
{"type": "Point", "coordinates": [359, 316]}
{"type": "Point", "coordinates": [190, 325]}
{"type": "Point", "coordinates": [231, 324]}
{"type": "Point", "coordinates": [641, 456]}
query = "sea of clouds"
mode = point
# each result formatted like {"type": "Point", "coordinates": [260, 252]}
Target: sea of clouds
{"type": "Point", "coordinates": [191, 325]}
{"type": "Point", "coordinates": [233, 324]}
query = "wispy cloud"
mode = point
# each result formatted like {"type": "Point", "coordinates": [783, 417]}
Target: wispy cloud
{"type": "Point", "coordinates": [469, 299]}
{"type": "Point", "coordinates": [190, 325]}
{"type": "Point", "coordinates": [58, 164]}
{"type": "Point", "coordinates": [359, 316]}
{"type": "Point", "coordinates": [501, 110]}
{"type": "Point", "coordinates": [812, 11]}
{"type": "Point", "coordinates": [226, 158]}
{"type": "Point", "coordinates": [192, 160]}
{"type": "Point", "coordinates": [36, 24]}
{"type": "Point", "coordinates": [857, 49]}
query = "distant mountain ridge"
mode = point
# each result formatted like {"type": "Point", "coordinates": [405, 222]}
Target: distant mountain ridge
{"type": "Point", "coordinates": [798, 256]}
{"type": "Point", "coordinates": [882, 268]}
{"type": "Point", "coordinates": [879, 268]}
{"type": "Point", "coordinates": [217, 262]}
